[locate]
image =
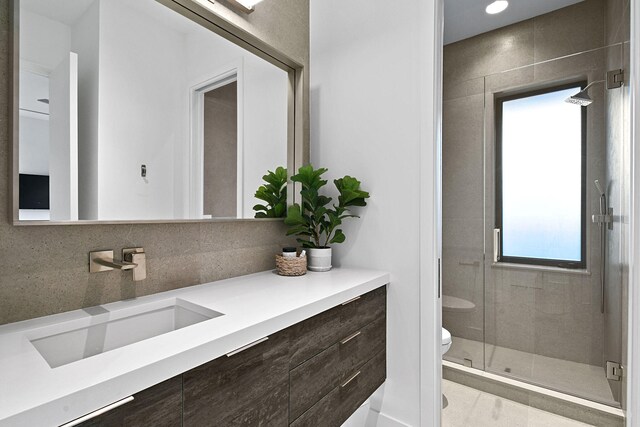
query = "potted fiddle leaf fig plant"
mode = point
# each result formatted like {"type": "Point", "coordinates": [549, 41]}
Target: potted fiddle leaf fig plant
{"type": "Point", "coordinates": [314, 222]}
{"type": "Point", "coordinates": [274, 194]}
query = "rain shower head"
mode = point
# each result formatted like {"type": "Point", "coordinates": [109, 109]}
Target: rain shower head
{"type": "Point", "coordinates": [614, 79]}
{"type": "Point", "coordinates": [581, 98]}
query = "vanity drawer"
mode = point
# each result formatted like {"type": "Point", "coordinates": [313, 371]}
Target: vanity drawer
{"type": "Point", "coordinates": [270, 410]}
{"type": "Point", "coordinates": [341, 402]}
{"type": "Point", "coordinates": [314, 335]}
{"type": "Point", "coordinates": [160, 405]}
{"type": "Point", "coordinates": [228, 388]}
{"type": "Point", "coordinates": [316, 377]}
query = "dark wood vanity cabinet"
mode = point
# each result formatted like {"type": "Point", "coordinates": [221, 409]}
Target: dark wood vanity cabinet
{"type": "Point", "coordinates": [338, 358]}
{"type": "Point", "coordinates": [314, 373]}
{"type": "Point", "coordinates": [158, 406]}
{"type": "Point", "coordinates": [342, 401]}
{"type": "Point", "coordinates": [249, 388]}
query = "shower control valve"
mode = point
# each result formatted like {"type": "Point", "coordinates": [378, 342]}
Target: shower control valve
{"type": "Point", "coordinates": [604, 219]}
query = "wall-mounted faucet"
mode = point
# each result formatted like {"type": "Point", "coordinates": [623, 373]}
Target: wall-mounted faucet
{"type": "Point", "coordinates": [132, 259]}
{"type": "Point", "coordinates": [139, 258]}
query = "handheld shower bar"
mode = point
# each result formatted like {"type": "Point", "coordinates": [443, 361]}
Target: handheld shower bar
{"type": "Point", "coordinates": [605, 217]}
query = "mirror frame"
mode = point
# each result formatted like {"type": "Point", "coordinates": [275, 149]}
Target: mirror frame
{"type": "Point", "coordinates": [207, 18]}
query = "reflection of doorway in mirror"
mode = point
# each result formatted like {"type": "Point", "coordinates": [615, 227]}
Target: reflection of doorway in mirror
{"type": "Point", "coordinates": [220, 161]}
{"type": "Point", "coordinates": [217, 146]}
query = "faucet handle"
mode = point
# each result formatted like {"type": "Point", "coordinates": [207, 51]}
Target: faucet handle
{"type": "Point", "coordinates": [136, 256]}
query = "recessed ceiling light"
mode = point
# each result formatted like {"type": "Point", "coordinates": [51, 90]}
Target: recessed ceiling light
{"type": "Point", "coordinates": [497, 7]}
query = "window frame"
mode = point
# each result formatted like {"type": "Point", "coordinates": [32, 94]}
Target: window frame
{"type": "Point", "coordinates": [570, 264]}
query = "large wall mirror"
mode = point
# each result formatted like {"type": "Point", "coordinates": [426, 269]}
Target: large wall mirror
{"type": "Point", "coordinates": [129, 111]}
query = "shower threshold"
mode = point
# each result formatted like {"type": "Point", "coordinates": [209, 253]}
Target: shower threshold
{"type": "Point", "coordinates": [577, 379]}
{"type": "Point", "coordinates": [576, 408]}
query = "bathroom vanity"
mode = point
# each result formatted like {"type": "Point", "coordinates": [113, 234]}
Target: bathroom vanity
{"type": "Point", "coordinates": [306, 351]}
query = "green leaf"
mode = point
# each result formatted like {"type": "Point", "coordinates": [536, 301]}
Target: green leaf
{"type": "Point", "coordinates": [274, 194]}
{"type": "Point", "coordinates": [334, 219]}
{"type": "Point", "coordinates": [307, 243]}
{"type": "Point", "coordinates": [339, 237]}
{"type": "Point", "coordinates": [280, 210]}
{"type": "Point", "coordinates": [350, 192]}
{"type": "Point", "coordinates": [310, 178]}
{"type": "Point", "coordinates": [294, 216]}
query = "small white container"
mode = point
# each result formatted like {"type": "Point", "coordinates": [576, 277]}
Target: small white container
{"type": "Point", "coordinates": [289, 252]}
{"type": "Point", "coordinates": [319, 259]}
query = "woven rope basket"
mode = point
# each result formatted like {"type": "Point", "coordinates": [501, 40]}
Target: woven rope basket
{"type": "Point", "coordinates": [291, 266]}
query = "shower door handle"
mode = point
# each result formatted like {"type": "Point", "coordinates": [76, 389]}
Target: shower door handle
{"type": "Point", "coordinates": [496, 244]}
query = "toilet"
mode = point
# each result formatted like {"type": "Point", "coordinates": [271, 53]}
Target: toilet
{"type": "Point", "coordinates": [446, 341]}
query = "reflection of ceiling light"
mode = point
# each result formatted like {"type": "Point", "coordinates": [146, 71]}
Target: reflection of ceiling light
{"type": "Point", "coordinates": [497, 7]}
{"type": "Point", "coordinates": [245, 6]}
{"type": "Point", "coordinates": [248, 3]}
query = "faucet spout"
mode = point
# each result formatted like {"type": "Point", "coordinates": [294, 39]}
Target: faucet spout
{"type": "Point", "coordinates": [103, 261]}
{"type": "Point", "coordinates": [118, 265]}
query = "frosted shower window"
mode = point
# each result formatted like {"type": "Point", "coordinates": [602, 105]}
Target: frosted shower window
{"type": "Point", "coordinates": [541, 169]}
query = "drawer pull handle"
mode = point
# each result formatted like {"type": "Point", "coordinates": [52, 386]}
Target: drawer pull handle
{"type": "Point", "coordinates": [100, 411]}
{"type": "Point", "coordinates": [246, 347]}
{"type": "Point", "coordinates": [349, 338]}
{"type": "Point", "coordinates": [351, 300]}
{"type": "Point", "coordinates": [351, 378]}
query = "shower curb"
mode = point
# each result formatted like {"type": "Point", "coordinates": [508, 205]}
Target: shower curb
{"type": "Point", "coordinates": [578, 409]}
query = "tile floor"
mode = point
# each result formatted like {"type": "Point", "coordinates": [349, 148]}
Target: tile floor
{"type": "Point", "coordinates": [468, 407]}
{"type": "Point", "coordinates": [578, 379]}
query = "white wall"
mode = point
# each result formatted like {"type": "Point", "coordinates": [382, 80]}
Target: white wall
{"type": "Point", "coordinates": [265, 125]}
{"type": "Point", "coordinates": [43, 42]}
{"type": "Point", "coordinates": [142, 100]}
{"type": "Point", "coordinates": [149, 60]}
{"type": "Point", "coordinates": [63, 142]}
{"type": "Point", "coordinates": [34, 144]}
{"type": "Point", "coordinates": [371, 117]}
{"type": "Point", "coordinates": [85, 41]}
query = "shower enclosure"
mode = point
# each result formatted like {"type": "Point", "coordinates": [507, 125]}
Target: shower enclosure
{"type": "Point", "coordinates": [534, 261]}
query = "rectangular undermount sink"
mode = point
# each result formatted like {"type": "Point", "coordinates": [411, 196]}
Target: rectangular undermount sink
{"type": "Point", "coordinates": [107, 330]}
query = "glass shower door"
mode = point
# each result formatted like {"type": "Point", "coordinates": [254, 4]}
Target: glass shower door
{"type": "Point", "coordinates": [463, 222]}
{"type": "Point", "coordinates": [544, 323]}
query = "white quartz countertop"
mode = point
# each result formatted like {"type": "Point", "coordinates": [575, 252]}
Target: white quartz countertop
{"type": "Point", "coordinates": [254, 306]}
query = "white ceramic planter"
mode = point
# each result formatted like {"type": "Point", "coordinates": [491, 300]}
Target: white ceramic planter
{"type": "Point", "coordinates": [319, 259]}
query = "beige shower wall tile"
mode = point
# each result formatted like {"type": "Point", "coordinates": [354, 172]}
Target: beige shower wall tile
{"type": "Point", "coordinates": [510, 313]}
{"type": "Point", "coordinates": [489, 53]}
{"type": "Point", "coordinates": [617, 24]}
{"type": "Point", "coordinates": [569, 30]}
{"type": "Point", "coordinates": [556, 336]}
{"type": "Point", "coordinates": [463, 237]}
{"type": "Point", "coordinates": [508, 81]}
{"type": "Point", "coordinates": [461, 89]}
{"type": "Point", "coordinates": [462, 154]}
{"type": "Point", "coordinates": [544, 313]}
{"type": "Point", "coordinates": [588, 66]}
